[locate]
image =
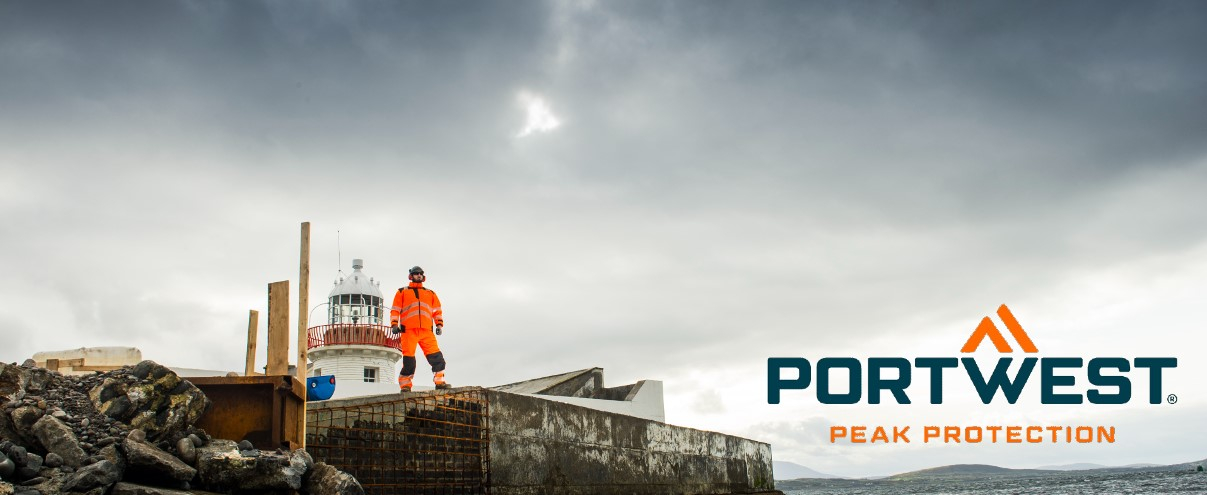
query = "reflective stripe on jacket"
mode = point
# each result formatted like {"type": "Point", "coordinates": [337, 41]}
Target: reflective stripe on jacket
{"type": "Point", "coordinates": [416, 307]}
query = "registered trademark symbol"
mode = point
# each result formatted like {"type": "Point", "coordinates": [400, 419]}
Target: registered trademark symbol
{"type": "Point", "coordinates": [1172, 399]}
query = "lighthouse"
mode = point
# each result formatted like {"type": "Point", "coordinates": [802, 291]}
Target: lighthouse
{"type": "Point", "coordinates": [355, 344]}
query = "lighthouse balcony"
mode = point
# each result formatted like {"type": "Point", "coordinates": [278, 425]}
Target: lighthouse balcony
{"type": "Point", "coordinates": [355, 335]}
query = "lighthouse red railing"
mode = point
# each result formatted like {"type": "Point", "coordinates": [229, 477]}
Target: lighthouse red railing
{"type": "Point", "coordinates": [351, 334]}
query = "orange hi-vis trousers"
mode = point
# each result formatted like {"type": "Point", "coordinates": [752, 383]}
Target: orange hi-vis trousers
{"type": "Point", "coordinates": [427, 341]}
{"type": "Point", "coordinates": [422, 336]}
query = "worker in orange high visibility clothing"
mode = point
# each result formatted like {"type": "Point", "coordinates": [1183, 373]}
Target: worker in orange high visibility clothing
{"type": "Point", "coordinates": [416, 315]}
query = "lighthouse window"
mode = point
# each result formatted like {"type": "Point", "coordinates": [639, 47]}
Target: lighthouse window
{"type": "Point", "coordinates": [370, 375]}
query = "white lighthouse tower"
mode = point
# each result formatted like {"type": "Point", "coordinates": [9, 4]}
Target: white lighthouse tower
{"type": "Point", "coordinates": [356, 344]}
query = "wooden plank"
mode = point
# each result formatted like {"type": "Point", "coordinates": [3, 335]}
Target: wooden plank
{"type": "Point", "coordinates": [52, 364]}
{"type": "Point", "coordinates": [278, 418]}
{"type": "Point", "coordinates": [278, 328]}
{"type": "Point", "coordinates": [253, 322]}
{"type": "Point", "coordinates": [303, 301]}
{"type": "Point", "coordinates": [303, 320]}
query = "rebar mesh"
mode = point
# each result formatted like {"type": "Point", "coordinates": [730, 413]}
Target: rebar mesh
{"type": "Point", "coordinates": [427, 443]}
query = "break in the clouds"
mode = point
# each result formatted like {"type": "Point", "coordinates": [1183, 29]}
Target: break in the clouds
{"type": "Point", "coordinates": [736, 180]}
{"type": "Point", "coordinates": [538, 118]}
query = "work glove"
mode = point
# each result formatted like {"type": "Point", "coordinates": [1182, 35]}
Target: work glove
{"type": "Point", "coordinates": [397, 329]}
{"type": "Point", "coordinates": [439, 329]}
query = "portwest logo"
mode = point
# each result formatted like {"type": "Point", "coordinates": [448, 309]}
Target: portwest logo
{"type": "Point", "coordinates": [988, 329]}
{"type": "Point", "coordinates": [1110, 377]}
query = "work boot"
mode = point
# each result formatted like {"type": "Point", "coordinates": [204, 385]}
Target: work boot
{"type": "Point", "coordinates": [439, 379]}
{"type": "Point", "coordinates": [404, 383]}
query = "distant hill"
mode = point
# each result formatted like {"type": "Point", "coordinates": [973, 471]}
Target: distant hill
{"type": "Point", "coordinates": [1185, 465]}
{"type": "Point", "coordinates": [957, 472]}
{"type": "Point", "coordinates": [1083, 465]}
{"type": "Point", "coordinates": [791, 471]}
{"type": "Point", "coordinates": [965, 470]}
{"type": "Point", "coordinates": [985, 470]}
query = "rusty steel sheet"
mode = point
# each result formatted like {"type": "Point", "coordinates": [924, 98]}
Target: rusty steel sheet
{"type": "Point", "coordinates": [263, 410]}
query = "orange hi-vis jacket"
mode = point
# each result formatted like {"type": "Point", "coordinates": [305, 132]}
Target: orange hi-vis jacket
{"type": "Point", "coordinates": [416, 307]}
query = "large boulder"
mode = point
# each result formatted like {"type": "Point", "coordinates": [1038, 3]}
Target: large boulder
{"type": "Point", "coordinates": [56, 437]}
{"type": "Point", "coordinates": [49, 485]}
{"type": "Point", "coordinates": [23, 419]}
{"type": "Point", "coordinates": [222, 467]}
{"type": "Point", "coordinates": [6, 425]}
{"type": "Point", "coordinates": [112, 454]}
{"type": "Point", "coordinates": [7, 467]}
{"type": "Point", "coordinates": [12, 383]}
{"type": "Point", "coordinates": [125, 488]}
{"type": "Point", "coordinates": [17, 381]}
{"type": "Point", "coordinates": [326, 480]}
{"type": "Point", "coordinates": [147, 462]}
{"type": "Point", "coordinates": [100, 474]}
{"type": "Point", "coordinates": [151, 397]}
{"type": "Point", "coordinates": [38, 380]}
{"type": "Point", "coordinates": [19, 387]}
{"type": "Point", "coordinates": [29, 467]}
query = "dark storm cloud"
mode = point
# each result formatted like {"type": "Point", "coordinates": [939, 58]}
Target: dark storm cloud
{"type": "Point", "coordinates": [255, 75]}
{"type": "Point", "coordinates": [893, 142]}
{"type": "Point", "coordinates": [1069, 92]}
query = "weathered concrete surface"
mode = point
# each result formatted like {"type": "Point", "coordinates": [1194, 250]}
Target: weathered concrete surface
{"type": "Point", "coordinates": [541, 446]}
{"type": "Point", "coordinates": [535, 446]}
{"type": "Point", "coordinates": [586, 388]}
{"type": "Point", "coordinates": [581, 383]}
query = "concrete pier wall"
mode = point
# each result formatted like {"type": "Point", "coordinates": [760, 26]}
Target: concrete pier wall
{"type": "Point", "coordinates": [542, 446]}
{"type": "Point", "coordinates": [474, 440]}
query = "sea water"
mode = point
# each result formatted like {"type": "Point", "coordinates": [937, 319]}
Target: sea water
{"type": "Point", "coordinates": [1069, 483]}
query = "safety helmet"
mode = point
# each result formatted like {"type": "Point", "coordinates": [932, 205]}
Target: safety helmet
{"type": "Point", "coordinates": [414, 270]}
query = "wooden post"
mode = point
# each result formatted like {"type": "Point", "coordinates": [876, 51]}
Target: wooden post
{"type": "Point", "coordinates": [303, 302]}
{"type": "Point", "coordinates": [303, 321]}
{"type": "Point", "coordinates": [278, 328]}
{"type": "Point", "coordinates": [52, 364]}
{"type": "Point", "coordinates": [253, 321]}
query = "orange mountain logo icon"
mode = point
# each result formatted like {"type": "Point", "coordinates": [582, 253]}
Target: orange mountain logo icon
{"type": "Point", "coordinates": [987, 328]}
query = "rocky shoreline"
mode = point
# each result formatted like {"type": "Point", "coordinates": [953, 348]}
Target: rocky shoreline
{"type": "Point", "coordinates": [131, 432]}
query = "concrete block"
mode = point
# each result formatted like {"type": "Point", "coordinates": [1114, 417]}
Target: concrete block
{"type": "Point", "coordinates": [690, 441]}
{"type": "Point", "coordinates": [581, 464]}
{"type": "Point", "coordinates": [663, 437]}
{"type": "Point", "coordinates": [520, 415]}
{"type": "Point", "coordinates": [736, 472]}
{"type": "Point", "coordinates": [628, 467]}
{"type": "Point", "coordinates": [629, 432]}
{"type": "Point", "coordinates": [717, 446]}
{"type": "Point", "coordinates": [580, 425]}
{"type": "Point", "coordinates": [662, 468]}
{"type": "Point", "coordinates": [518, 461]}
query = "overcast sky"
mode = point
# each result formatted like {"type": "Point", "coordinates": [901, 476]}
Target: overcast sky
{"type": "Point", "coordinates": [668, 190]}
